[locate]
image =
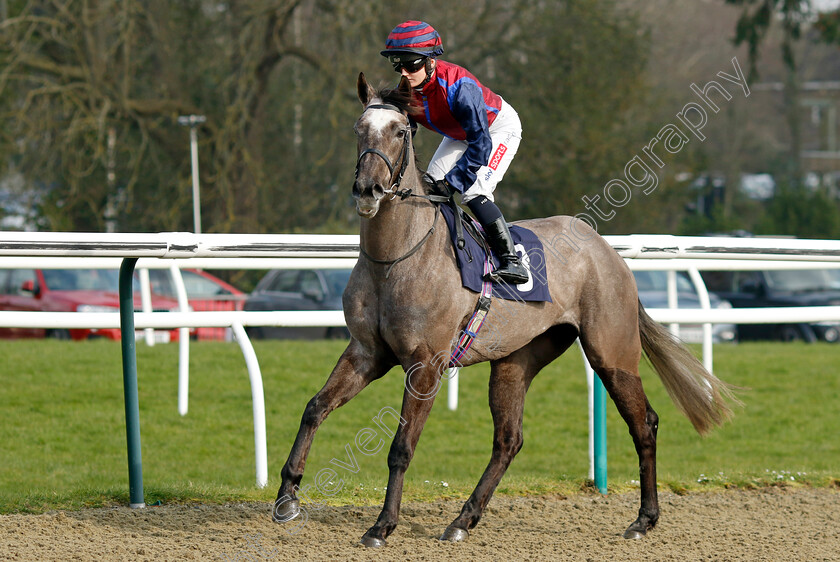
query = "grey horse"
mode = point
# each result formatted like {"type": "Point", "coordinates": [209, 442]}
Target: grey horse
{"type": "Point", "coordinates": [405, 305]}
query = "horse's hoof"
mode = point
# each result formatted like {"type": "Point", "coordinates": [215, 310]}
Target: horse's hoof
{"type": "Point", "coordinates": [633, 534]}
{"type": "Point", "coordinates": [286, 511]}
{"type": "Point", "coordinates": [639, 528]}
{"type": "Point", "coordinates": [372, 542]}
{"type": "Point", "coordinates": [455, 534]}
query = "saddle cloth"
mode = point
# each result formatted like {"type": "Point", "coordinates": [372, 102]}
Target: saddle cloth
{"type": "Point", "coordinates": [471, 262]}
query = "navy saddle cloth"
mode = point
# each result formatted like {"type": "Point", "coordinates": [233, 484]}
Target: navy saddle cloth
{"type": "Point", "coordinates": [471, 262]}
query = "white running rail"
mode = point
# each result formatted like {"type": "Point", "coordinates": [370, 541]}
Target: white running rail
{"type": "Point", "coordinates": [239, 251]}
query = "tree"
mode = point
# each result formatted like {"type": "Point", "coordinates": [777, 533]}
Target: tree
{"type": "Point", "coordinates": [581, 92]}
{"type": "Point", "coordinates": [90, 93]}
{"type": "Point", "coordinates": [93, 91]}
{"type": "Point", "coordinates": [794, 209]}
{"type": "Point", "coordinates": [757, 17]}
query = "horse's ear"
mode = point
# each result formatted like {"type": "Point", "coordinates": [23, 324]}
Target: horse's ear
{"type": "Point", "coordinates": [404, 87]}
{"type": "Point", "coordinates": [366, 93]}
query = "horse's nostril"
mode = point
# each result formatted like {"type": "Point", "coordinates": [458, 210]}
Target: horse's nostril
{"type": "Point", "coordinates": [368, 189]}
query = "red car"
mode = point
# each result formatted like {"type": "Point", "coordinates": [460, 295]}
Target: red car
{"type": "Point", "coordinates": [204, 292]}
{"type": "Point", "coordinates": [71, 290]}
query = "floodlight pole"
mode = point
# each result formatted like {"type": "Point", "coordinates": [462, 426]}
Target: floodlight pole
{"type": "Point", "coordinates": [192, 121]}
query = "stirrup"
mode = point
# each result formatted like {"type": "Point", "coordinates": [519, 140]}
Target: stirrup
{"type": "Point", "coordinates": [510, 277]}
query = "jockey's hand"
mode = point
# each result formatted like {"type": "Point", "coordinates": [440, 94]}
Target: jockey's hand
{"type": "Point", "coordinates": [443, 187]}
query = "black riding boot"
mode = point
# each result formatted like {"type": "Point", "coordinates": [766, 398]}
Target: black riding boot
{"type": "Point", "coordinates": [510, 269]}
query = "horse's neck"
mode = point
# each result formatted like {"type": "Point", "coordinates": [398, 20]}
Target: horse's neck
{"type": "Point", "coordinates": [399, 225]}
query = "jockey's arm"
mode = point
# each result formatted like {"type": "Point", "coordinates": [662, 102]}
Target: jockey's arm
{"type": "Point", "coordinates": [468, 108]}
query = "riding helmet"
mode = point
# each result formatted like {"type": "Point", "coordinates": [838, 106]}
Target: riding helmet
{"type": "Point", "coordinates": [413, 37]}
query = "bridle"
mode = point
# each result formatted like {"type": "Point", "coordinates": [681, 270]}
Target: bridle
{"type": "Point", "coordinates": [395, 190]}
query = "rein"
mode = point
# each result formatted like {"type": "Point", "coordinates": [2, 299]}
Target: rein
{"type": "Point", "coordinates": [392, 263]}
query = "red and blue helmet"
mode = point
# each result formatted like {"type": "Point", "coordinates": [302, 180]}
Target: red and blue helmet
{"type": "Point", "coordinates": [413, 37]}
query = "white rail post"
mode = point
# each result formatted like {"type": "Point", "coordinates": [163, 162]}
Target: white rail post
{"type": "Point", "coordinates": [673, 300]}
{"type": "Point", "coordinates": [703, 296]}
{"type": "Point", "coordinates": [258, 399]}
{"type": "Point", "coordinates": [452, 388]}
{"type": "Point", "coordinates": [146, 303]}
{"type": "Point", "coordinates": [183, 342]}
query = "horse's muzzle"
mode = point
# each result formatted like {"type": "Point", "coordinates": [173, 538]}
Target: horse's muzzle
{"type": "Point", "coordinates": [365, 211]}
{"type": "Point", "coordinates": [367, 199]}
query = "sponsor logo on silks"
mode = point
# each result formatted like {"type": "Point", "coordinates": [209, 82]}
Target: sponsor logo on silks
{"type": "Point", "coordinates": [497, 156]}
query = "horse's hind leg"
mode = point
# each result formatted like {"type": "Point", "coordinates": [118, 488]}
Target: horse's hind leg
{"type": "Point", "coordinates": [353, 372]}
{"type": "Point", "coordinates": [612, 346]}
{"type": "Point", "coordinates": [625, 388]}
{"type": "Point", "coordinates": [509, 381]}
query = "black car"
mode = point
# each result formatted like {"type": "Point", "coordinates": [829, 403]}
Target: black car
{"type": "Point", "coordinates": [759, 289]}
{"type": "Point", "coordinates": [299, 289]}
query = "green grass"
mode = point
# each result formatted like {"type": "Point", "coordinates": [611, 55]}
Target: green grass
{"type": "Point", "coordinates": [63, 445]}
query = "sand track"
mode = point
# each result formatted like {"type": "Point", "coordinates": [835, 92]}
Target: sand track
{"type": "Point", "coordinates": [769, 524]}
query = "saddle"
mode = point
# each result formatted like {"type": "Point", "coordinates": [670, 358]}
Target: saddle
{"type": "Point", "coordinates": [473, 254]}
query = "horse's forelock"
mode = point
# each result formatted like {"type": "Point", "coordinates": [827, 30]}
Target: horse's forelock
{"type": "Point", "coordinates": [399, 98]}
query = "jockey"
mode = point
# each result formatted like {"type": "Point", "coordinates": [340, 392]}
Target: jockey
{"type": "Point", "coordinates": [481, 133]}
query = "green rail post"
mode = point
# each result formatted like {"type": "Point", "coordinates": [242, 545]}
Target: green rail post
{"type": "Point", "coordinates": [132, 402]}
{"type": "Point", "coordinates": [600, 430]}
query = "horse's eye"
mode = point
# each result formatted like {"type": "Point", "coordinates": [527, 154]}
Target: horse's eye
{"type": "Point", "coordinates": [401, 133]}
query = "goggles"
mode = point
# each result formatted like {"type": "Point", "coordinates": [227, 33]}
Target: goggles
{"type": "Point", "coordinates": [410, 63]}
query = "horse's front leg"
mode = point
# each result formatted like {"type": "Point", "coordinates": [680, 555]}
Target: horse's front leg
{"type": "Point", "coordinates": [422, 382]}
{"type": "Point", "coordinates": [356, 368]}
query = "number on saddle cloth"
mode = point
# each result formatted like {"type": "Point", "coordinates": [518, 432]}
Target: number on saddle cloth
{"type": "Point", "coordinates": [470, 259]}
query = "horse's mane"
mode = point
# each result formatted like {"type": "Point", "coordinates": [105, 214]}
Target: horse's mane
{"type": "Point", "coordinates": [404, 101]}
{"type": "Point", "coordinates": [401, 99]}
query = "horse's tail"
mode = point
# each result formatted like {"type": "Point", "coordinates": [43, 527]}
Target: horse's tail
{"type": "Point", "coordinates": [698, 394]}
